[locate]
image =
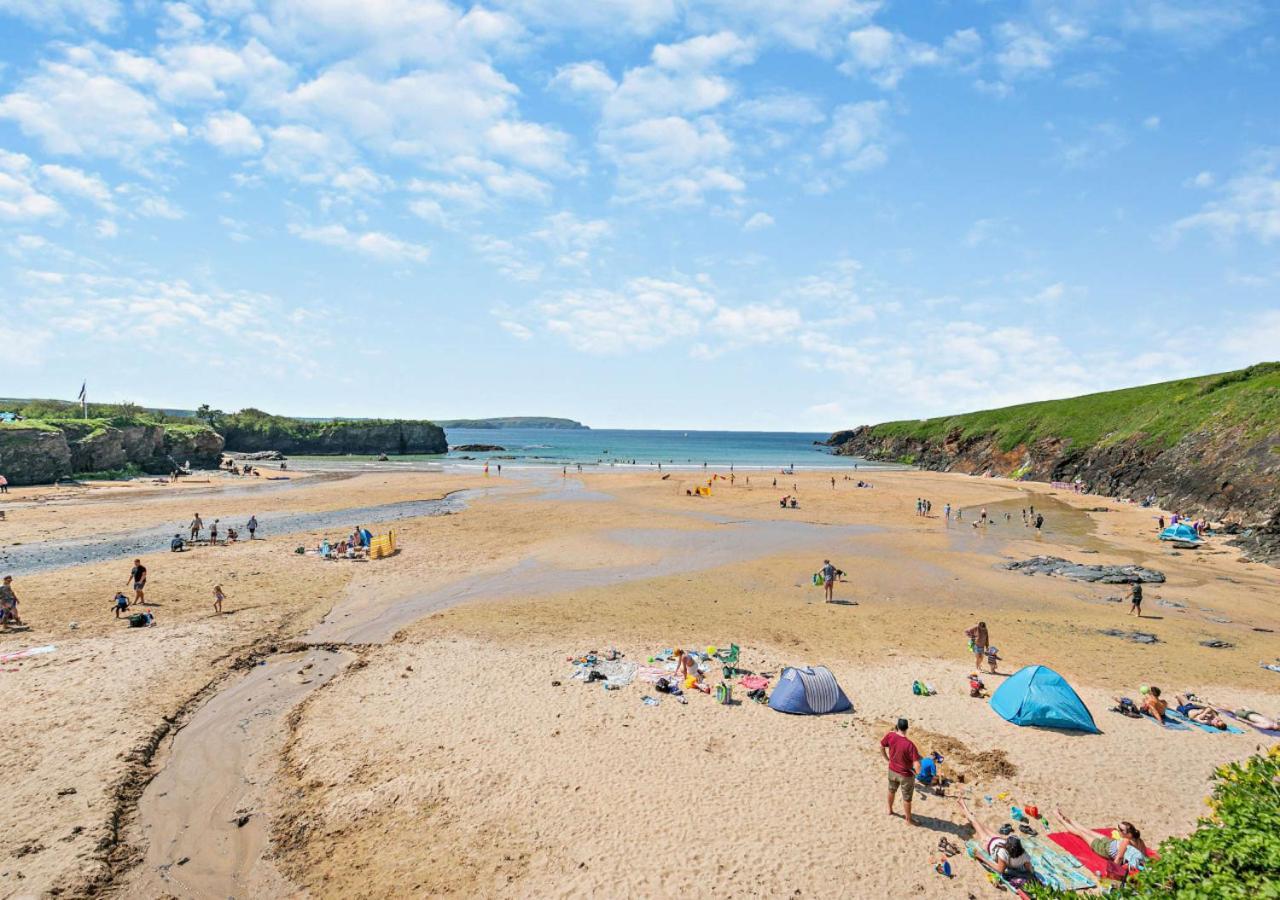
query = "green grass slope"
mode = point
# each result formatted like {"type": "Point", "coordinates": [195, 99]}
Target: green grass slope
{"type": "Point", "coordinates": [1156, 414]}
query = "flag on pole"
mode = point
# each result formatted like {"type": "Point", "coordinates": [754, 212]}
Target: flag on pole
{"type": "Point", "coordinates": [83, 385]}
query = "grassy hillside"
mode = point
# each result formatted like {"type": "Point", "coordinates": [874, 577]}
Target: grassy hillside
{"type": "Point", "coordinates": [1158, 414]}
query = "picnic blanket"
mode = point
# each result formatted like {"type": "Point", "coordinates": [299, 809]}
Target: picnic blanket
{"type": "Point", "coordinates": [616, 672]}
{"type": "Point", "coordinates": [1267, 731]}
{"type": "Point", "coordinates": [995, 877]}
{"type": "Point", "coordinates": [1075, 845]}
{"type": "Point", "coordinates": [1179, 717]}
{"type": "Point", "coordinates": [1055, 868]}
{"type": "Point", "coordinates": [651, 674]}
{"type": "Point", "coordinates": [23, 654]}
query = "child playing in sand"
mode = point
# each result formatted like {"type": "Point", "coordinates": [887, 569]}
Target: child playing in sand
{"type": "Point", "coordinates": [218, 597]}
{"type": "Point", "coordinates": [8, 604]}
{"type": "Point", "coordinates": [121, 603]}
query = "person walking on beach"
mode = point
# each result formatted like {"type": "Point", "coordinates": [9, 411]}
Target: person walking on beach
{"type": "Point", "coordinates": [979, 641]}
{"type": "Point", "coordinates": [196, 525]}
{"type": "Point", "coordinates": [4, 485]}
{"type": "Point", "coordinates": [1135, 599]}
{"type": "Point", "coordinates": [252, 525]}
{"type": "Point", "coordinates": [218, 597]}
{"type": "Point", "coordinates": [904, 762]}
{"type": "Point", "coordinates": [828, 579]}
{"type": "Point", "coordinates": [138, 576]}
{"type": "Point", "coordinates": [213, 533]}
{"type": "Point", "coordinates": [8, 604]}
{"type": "Point", "coordinates": [946, 510]}
{"type": "Point", "coordinates": [1039, 522]}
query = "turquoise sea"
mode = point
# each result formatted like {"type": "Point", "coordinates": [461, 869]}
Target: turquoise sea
{"type": "Point", "coordinates": [619, 447]}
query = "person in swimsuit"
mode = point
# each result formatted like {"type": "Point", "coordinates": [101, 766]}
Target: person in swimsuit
{"type": "Point", "coordinates": [1153, 705]}
{"type": "Point", "coordinates": [1006, 853]}
{"type": "Point", "coordinates": [218, 597]}
{"type": "Point", "coordinates": [213, 532]}
{"type": "Point", "coordinates": [8, 603]}
{"type": "Point", "coordinates": [1128, 850]}
{"type": "Point", "coordinates": [979, 640]}
{"type": "Point", "coordinates": [1200, 712]}
{"type": "Point", "coordinates": [252, 525]}
{"type": "Point", "coordinates": [828, 579]}
{"type": "Point", "coordinates": [196, 525]}
{"type": "Point", "coordinates": [1135, 599]}
{"type": "Point", "coordinates": [138, 576]}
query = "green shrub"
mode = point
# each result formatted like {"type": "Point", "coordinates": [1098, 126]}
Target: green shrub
{"type": "Point", "coordinates": [1233, 853]}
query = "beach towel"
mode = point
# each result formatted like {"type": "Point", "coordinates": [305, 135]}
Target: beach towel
{"type": "Point", "coordinates": [753, 682]}
{"type": "Point", "coordinates": [1179, 717]}
{"type": "Point", "coordinates": [1271, 732]}
{"type": "Point", "coordinates": [1075, 845]}
{"type": "Point", "coordinates": [1169, 722]}
{"type": "Point", "coordinates": [30, 651]}
{"type": "Point", "coordinates": [1056, 868]}
{"type": "Point", "coordinates": [617, 672]}
{"type": "Point", "coordinates": [651, 674]}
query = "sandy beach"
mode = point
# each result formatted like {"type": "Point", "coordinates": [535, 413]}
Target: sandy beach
{"type": "Point", "coordinates": [410, 726]}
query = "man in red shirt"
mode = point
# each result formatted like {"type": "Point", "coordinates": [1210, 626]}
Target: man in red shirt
{"type": "Point", "coordinates": [904, 762]}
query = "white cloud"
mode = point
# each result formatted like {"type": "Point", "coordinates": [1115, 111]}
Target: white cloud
{"type": "Point", "coordinates": [857, 135]}
{"type": "Point", "coordinates": [20, 200]}
{"type": "Point", "coordinates": [587, 79]}
{"type": "Point", "coordinates": [100, 15]}
{"type": "Point", "coordinates": [231, 132]}
{"type": "Point", "coordinates": [672, 160]}
{"type": "Point", "coordinates": [1202, 180]}
{"type": "Point", "coordinates": [67, 180]}
{"type": "Point", "coordinates": [106, 228]}
{"type": "Point", "coordinates": [1247, 204]}
{"type": "Point", "coordinates": [1151, 123]}
{"type": "Point", "coordinates": [886, 56]}
{"type": "Point", "coordinates": [369, 243]}
{"type": "Point", "coordinates": [572, 238]}
{"type": "Point", "coordinates": [646, 314]}
{"type": "Point", "coordinates": [78, 112]}
{"type": "Point", "coordinates": [758, 221]}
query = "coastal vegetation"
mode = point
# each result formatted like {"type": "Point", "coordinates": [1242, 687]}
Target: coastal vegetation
{"type": "Point", "coordinates": [253, 430]}
{"type": "Point", "coordinates": [1208, 445]}
{"type": "Point", "coordinates": [1158, 415]}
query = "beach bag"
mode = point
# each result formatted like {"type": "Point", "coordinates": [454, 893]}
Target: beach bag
{"type": "Point", "coordinates": [1128, 708]}
{"type": "Point", "coordinates": [662, 686]}
{"type": "Point", "coordinates": [724, 693]}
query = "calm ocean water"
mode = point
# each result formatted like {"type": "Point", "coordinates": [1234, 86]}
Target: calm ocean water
{"type": "Point", "coordinates": [615, 446]}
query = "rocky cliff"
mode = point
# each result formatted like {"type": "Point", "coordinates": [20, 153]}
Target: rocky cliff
{"type": "Point", "coordinates": [43, 452]}
{"type": "Point", "coordinates": [1206, 446]}
{"type": "Point", "coordinates": [327, 438]}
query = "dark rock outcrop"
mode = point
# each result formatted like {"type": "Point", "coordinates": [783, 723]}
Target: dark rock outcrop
{"type": "Point", "coordinates": [326, 439]}
{"type": "Point", "coordinates": [478, 448]}
{"type": "Point", "coordinates": [1056, 565]}
{"type": "Point", "coordinates": [34, 455]}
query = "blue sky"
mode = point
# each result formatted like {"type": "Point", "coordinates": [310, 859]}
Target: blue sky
{"type": "Point", "coordinates": [651, 213]}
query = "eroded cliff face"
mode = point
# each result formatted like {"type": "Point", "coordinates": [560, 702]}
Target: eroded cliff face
{"type": "Point", "coordinates": [40, 455]}
{"type": "Point", "coordinates": [1229, 476]}
{"type": "Point", "coordinates": [323, 440]}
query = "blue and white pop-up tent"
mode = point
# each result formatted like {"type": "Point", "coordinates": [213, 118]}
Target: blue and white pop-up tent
{"type": "Point", "coordinates": [1180, 532]}
{"type": "Point", "coordinates": [1037, 695]}
{"type": "Point", "coordinates": [811, 691]}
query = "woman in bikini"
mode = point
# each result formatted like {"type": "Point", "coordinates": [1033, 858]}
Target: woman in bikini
{"type": "Point", "coordinates": [1128, 850]}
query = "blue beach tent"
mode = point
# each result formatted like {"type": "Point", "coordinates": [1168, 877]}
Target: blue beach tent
{"type": "Point", "coordinates": [1180, 532]}
{"type": "Point", "coordinates": [808, 692]}
{"type": "Point", "coordinates": [1036, 695]}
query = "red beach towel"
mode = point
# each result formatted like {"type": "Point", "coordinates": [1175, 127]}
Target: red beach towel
{"type": "Point", "coordinates": [1076, 846]}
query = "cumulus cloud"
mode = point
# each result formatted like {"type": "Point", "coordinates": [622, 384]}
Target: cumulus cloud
{"type": "Point", "coordinates": [20, 200]}
{"type": "Point", "coordinates": [100, 15]}
{"type": "Point", "coordinates": [375, 244]}
{"type": "Point", "coordinates": [758, 222]}
{"type": "Point", "coordinates": [231, 132]}
{"type": "Point", "coordinates": [1246, 205]}
{"type": "Point", "coordinates": [857, 136]}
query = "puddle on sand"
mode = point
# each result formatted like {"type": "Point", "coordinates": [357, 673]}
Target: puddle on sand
{"type": "Point", "coordinates": [1062, 522]}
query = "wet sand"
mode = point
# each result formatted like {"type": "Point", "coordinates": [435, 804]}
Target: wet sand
{"type": "Point", "coordinates": [429, 763]}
